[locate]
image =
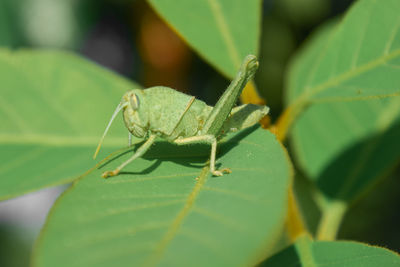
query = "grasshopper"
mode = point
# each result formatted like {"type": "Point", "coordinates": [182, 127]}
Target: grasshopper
{"type": "Point", "coordinates": [182, 119]}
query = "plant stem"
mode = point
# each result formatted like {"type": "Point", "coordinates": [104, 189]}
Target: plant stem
{"type": "Point", "coordinates": [250, 95]}
{"type": "Point", "coordinates": [287, 118]}
{"type": "Point", "coordinates": [304, 249]}
{"type": "Point", "coordinates": [294, 224]}
{"type": "Point", "coordinates": [331, 220]}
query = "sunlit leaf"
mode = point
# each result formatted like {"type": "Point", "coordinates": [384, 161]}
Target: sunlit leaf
{"type": "Point", "coordinates": [332, 254]}
{"type": "Point", "coordinates": [346, 147]}
{"type": "Point", "coordinates": [167, 210]}
{"type": "Point", "coordinates": [358, 58]}
{"type": "Point", "coordinates": [54, 107]}
{"type": "Point", "coordinates": [221, 31]}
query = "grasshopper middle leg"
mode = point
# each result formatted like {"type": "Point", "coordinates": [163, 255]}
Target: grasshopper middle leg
{"type": "Point", "coordinates": [207, 139]}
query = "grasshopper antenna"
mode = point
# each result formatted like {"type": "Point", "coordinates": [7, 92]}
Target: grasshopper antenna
{"type": "Point", "coordinates": [118, 109]}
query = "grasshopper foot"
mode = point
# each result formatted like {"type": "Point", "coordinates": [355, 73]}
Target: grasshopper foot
{"type": "Point", "coordinates": [110, 173]}
{"type": "Point", "coordinates": [221, 172]}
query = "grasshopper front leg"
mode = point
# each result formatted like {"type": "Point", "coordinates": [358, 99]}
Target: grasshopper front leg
{"type": "Point", "coordinates": [141, 150]}
{"type": "Point", "coordinates": [205, 139]}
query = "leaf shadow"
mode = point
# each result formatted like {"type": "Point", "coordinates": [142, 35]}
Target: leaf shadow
{"type": "Point", "coordinates": [360, 165]}
{"type": "Point", "coordinates": [234, 140]}
{"type": "Point", "coordinates": [289, 256]}
{"type": "Point", "coordinates": [193, 155]}
{"type": "Point", "coordinates": [147, 170]}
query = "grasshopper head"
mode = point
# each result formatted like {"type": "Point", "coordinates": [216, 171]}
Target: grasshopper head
{"type": "Point", "coordinates": [130, 100]}
{"type": "Point", "coordinates": [130, 105]}
{"type": "Point", "coordinates": [134, 114]}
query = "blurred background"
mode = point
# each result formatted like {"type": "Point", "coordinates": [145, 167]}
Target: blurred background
{"type": "Point", "coordinates": [128, 37]}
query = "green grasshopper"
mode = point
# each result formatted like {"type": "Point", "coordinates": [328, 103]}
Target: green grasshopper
{"type": "Point", "coordinates": [182, 119]}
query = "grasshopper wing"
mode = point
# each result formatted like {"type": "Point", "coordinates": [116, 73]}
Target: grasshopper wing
{"type": "Point", "coordinates": [167, 108]}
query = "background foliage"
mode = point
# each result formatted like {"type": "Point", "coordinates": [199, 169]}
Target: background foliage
{"type": "Point", "coordinates": [317, 57]}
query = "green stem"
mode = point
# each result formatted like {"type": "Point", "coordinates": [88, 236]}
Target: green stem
{"type": "Point", "coordinates": [289, 115]}
{"type": "Point", "coordinates": [331, 220]}
{"type": "Point", "coordinates": [294, 224]}
{"type": "Point", "coordinates": [304, 249]}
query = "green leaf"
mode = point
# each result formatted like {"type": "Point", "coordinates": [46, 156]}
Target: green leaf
{"type": "Point", "coordinates": [221, 31]}
{"type": "Point", "coordinates": [371, 219]}
{"type": "Point", "coordinates": [358, 58]}
{"type": "Point", "coordinates": [171, 212]}
{"type": "Point", "coordinates": [15, 250]}
{"type": "Point", "coordinates": [54, 107]}
{"type": "Point", "coordinates": [344, 147]}
{"type": "Point", "coordinates": [331, 254]}
{"type": "Point", "coordinates": [10, 34]}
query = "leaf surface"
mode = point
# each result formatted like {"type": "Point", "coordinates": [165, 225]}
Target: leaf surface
{"type": "Point", "coordinates": [9, 30]}
{"type": "Point", "coordinates": [221, 31]}
{"type": "Point", "coordinates": [344, 147]}
{"type": "Point", "coordinates": [54, 107]}
{"type": "Point", "coordinates": [332, 254]}
{"type": "Point", "coordinates": [167, 210]}
{"type": "Point", "coordinates": [358, 58]}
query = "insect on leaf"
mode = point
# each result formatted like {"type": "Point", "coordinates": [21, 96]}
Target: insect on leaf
{"type": "Point", "coordinates": [170, 211]}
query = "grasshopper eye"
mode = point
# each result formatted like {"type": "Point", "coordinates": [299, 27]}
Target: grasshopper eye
{"type": "Point", "coordinates": [134, 100]}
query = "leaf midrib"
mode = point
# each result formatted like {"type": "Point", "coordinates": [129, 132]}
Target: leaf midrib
{"type": "Point", "coordinates": [312, 91]}
{"type": "Point", "coordinates": [177, 222]}
{"type": "Point", "coordinates": [58, 140]}
{"type": "Point", "coordinates": [225, 32]}
{"type": "Point", "coordinates": [304, 98]}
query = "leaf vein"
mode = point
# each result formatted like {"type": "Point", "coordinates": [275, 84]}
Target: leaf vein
{"type": "Point", "coordinates": [225, 32]}
{"type": "Point", "coordinates": [391, 38]}
{"type": "Point", "coordinates": [114, 211]}
{"type": "Point", "coordinates": [231, 193]}
{"type": "Point", "coordinates": [209, 243]}
{"type": "Point", "coordinates": [131, 231]}
{"type": "Point", "coordinates": [22, 158]}
{"type": "Point", "coordinates": [172, 231]}
{"type": "Point", "coordinates": [348, 75]}
{"type": "Point", "coordinates": [150, 178]}
{"type": "Point", "coordinates": [221, 220]}
{"type": "Point", "coordinates": [361, 40]}
{"type": "Point", "coordinates": [16, 118]}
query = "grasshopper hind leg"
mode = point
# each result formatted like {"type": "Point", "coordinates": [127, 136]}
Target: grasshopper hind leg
{"type": "Point", "coordinates": [212, 161]}
{"type": "Point", "coordinates": [205, 139]}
